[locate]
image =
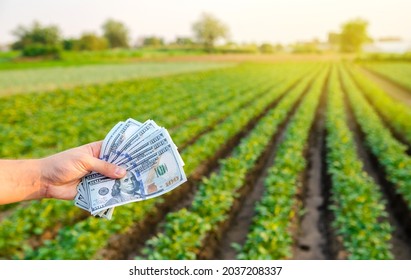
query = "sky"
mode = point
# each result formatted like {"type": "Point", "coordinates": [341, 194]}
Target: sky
{"type": "Point", "coordinates": [249, 21]}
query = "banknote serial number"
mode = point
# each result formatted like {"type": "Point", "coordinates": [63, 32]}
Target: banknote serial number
{"type": "Point", "coordinates": [250, 270]}
{"type": "Point", "coordinates": [172, 181]}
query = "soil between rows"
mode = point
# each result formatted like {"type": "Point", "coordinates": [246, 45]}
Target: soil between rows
{"type": "Point", "coordinates": [127, 245]}
{"type": "Point", "coordinates": [312, 242]}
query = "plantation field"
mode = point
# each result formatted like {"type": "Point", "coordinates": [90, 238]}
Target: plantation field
{"type": "Point", "coordinates": [285, 160]}
{"type": "Point", "coordinates": [48, 78]}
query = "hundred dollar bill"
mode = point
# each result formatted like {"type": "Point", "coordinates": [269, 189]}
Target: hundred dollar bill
{"type": "Point", "coordinates": [155, 140]}
{"type": "Point", "coordinates": [119, 136]}
{"type": "Point", "coordinates": [145, 180]}
{"type": "Point", "coordinates": [151, 159]}
{"type": "Point", "coordinates": [106, 139]}
{"type": "Point", "coordinates": [134, 137]}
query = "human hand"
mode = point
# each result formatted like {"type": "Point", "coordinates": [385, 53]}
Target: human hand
{"type": "Point", "coordinates": [61, 173]}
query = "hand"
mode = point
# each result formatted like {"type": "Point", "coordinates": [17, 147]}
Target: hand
{"type": "Point", "coordinates": [61, 173]}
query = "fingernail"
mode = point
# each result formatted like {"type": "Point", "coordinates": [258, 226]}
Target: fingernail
{"type": "Point", "coordinates": [120, 171]}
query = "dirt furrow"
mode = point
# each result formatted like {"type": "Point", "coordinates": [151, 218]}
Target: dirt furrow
{"type": "Point", "coordinates": [312, 242]}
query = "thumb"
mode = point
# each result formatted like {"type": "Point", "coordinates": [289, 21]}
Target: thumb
{"type": "Point", "coordinates": [106, 168]}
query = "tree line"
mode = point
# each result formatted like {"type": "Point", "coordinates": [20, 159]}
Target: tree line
{"type": "Point", "coordinates": [39, 40]}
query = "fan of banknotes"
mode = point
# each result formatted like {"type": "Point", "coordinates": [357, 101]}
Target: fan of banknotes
{"type": "Point", "coordinates": [153, 163]}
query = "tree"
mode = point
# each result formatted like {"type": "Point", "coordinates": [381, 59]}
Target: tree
{"type": "Point", "coordinates": [184, 41]}
{"type": "Point", "coordinates": [266, 48]}
{"type": "Point", "coordinates": [91, 42]}
{"type": "Point", "coordinates": [116, 33]}
{"type": "Point", "coordinates": [153, 41]}
{"type": "Point", "coordinates": [208, 29]}
{"type": "Point", "coordinates": [69, 44]}
{"type": "Point", "coordinates": [353, 35]}
{"type": "Point", "coordinates": [36, 40]}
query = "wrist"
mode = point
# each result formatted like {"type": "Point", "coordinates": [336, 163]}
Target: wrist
{"type": "Point", "coordinates": [35, 184]}
{"type": "Point", "coordinates": [43, 178]}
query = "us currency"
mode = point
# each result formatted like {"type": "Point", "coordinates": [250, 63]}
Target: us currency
{"type": "Point", "coordinates": [149, 178]}
{"type": "Point", "coordinates": [136, 135]}
{"type": "Point", "coordinates": [156, 139]}
{"type": "Point", "coordinates": [114, 138]}
{"type": "Point", "coordinates": [123, 132]}
{"type": "Point", "coordinates": [151, 159]}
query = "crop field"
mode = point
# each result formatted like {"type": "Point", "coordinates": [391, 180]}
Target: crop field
{"type": "Point", "coordinates": [16, 81]}
{"type": "Point", "coordinates": [285, 160]}
{"type": "Point", "coordinates": [397, 72]}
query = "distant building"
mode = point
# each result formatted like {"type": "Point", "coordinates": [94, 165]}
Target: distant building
{"type": "Point", "coordinates": [388, 46]}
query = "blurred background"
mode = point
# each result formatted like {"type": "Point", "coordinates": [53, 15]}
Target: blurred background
{"type": "Point", "coordinates": [267, 178]}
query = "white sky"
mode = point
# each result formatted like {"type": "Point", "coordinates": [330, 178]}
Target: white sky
{"type": "Point", "coordinates": [282, 21]}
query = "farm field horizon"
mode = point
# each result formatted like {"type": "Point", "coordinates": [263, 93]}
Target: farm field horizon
{"type": "Point", "coordinates": [306, 157]}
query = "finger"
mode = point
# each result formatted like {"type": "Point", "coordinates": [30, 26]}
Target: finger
{"type": "Point", "coordinates": [95, 148]}
{"type": "Point", "coordinates": [105, 168]}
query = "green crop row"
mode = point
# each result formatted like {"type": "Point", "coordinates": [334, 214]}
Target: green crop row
{"type": "Point", "coordinates": [85, 238]}
{"type": "Point", "coordinates": [356, 201]}
{"type": "Point", "coordinates": [396, 113]}
{"type": "Point", "coordinates": [270, 235]}
{"type": "Point", "coordinates": [397, 72]}
{"type": "Point", "coordinates": [216, 195]}
{"type": "Point", "coordinates": [211, 117]}
{"type": "Point", "coordinates": [390, 153]}
{"type": "Point", "coordinates": [38, 217]}
{"type": "Point", "coordinates": [38, 124]}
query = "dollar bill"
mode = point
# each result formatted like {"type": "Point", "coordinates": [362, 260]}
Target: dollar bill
{"type": "Point", "coordinates": [153, 163]}
{"type": "Point", "coordinates": [147, 179]}
{"type": "Point", "coordinates": [134, 137]}
{"type": "Point", "coordinates": [118, 136]}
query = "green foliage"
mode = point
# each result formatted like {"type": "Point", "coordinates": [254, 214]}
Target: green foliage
{"type": "Point", "coordinates": [269, 236]}
{"type": "Point", "coordinates": [357, 205]}
{"type": "Point", "coordinates": [389, 152]}
{"type": "Point", "coordinates": [267, 48]}
{"type": "Point", "coordinates": [36, 49]}
{"type": "Point", "coordinates": [51, 78]}
{"type": "Point", "coordinates": [395, 112]}
{"type": "Point", "coordinates": [306, 47]}
{"type": "Point", "coordinates": [208, 29]}
{"type": "Point", "coordinates": [153, 41]}
{"type": "Point", "coordinates": [398, 72]}
{"type": "Point", "coordinates": [353, 35]}
{"type": "Point", "coordinates": [116, 33]}
{"type": "Point", "coordinates": [213, 106]}
{"type": "Point", "coordinates": [217, 193]}
{"type": "Point", "coordinates": [68, 44]}
{"type": "Point", "coordinates": [38, 40]}
{"type": "Point", "coordinates": [90, 42]}
{"type": "Point", "coordinates": [184, 41]}
{"type": "Point", "coordinates": [193, 95]}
